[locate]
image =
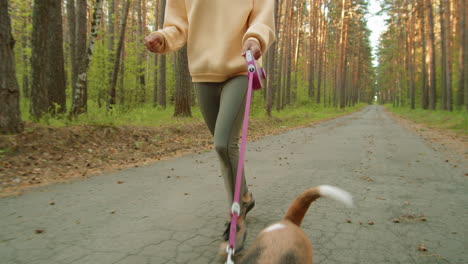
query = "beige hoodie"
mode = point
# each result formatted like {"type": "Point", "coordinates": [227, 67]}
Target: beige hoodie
{"type": "Point", "coordinates": [215, 31]}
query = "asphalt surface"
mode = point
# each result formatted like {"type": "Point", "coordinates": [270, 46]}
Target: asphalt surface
{"type": "Point", "coordinates": [409, 199]}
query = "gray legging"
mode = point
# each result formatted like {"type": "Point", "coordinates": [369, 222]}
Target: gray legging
{"type": "Point", "coordinates": [222, 106]}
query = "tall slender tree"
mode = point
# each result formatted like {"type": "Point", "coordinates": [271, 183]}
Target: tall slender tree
{"type": "Point", "coordinates": [79, 100]}
{"type": "Point", "coordinates": [155, 62]}
{"type": "Point", "coordinates": [141, 81]}
{"type": "Point", "coordinates": [118, 61]}
{"type": "Point", "coordinates": [48, 73]}
{"type": "Point", "coordinates": [424, 88]}
{"type": "Point", "coordinates": [10, 116]}
{"type": "Point", "coordinates": [431, 57]}
{"type": "Point", "coordinates": [111, 8]}
{"type": "Point", "coordinates": [271, 68]}
{"type": "Point", "coordinates": [183, 85]}
{"type": "Point", "coordinates": [463, 68]}
{"type": "Point", "coordinates": [162, 63]}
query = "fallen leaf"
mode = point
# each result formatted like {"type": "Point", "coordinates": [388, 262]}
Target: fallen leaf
{"type": "Point", "coordinates": [422, 248]}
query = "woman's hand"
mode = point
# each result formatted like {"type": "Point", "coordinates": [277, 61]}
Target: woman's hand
{"type": "Point", "coordinates": [154, 42]}
{"type": "Point", "coordinates": [254, 47]}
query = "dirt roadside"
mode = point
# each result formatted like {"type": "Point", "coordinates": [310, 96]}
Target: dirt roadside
{"type": "Point", "coordinates": [453, 146]}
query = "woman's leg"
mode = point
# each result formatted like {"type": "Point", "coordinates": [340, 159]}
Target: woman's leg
{"type": "Point", "coordinates": [227, 132]}
{"type": "Point", "coordinates": [208, 96]}
{"type": "Point", "coordinates": [222, 106]}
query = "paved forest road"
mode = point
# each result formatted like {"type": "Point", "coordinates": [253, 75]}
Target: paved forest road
{"type": "Point", "coordinates": [174, 211]}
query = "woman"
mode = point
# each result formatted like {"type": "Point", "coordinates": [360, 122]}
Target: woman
{"type": "Point", "coordinates": [218, 33]}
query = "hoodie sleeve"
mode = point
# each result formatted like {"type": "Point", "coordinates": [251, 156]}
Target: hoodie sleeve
{"type": "Point", "coordinates": [175, 26]}
{"type": "Point", "coordinates": [262, 23]}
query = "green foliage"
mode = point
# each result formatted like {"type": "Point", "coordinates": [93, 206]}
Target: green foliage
{"type": "Point", "coordinates": [134, 112]}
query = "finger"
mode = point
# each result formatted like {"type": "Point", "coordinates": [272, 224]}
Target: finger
{"type": "Point", "coordinates": [257, 53]}
{"type": "Point", "coordinates": [247, 46]}
{"type": "Point", "coordinates": [244, 50]}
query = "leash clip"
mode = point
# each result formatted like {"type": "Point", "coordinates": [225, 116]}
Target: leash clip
{"type": "Point", "coordinates": [235, 209]}
{"type": "Point", "coordinates": [230, 252]}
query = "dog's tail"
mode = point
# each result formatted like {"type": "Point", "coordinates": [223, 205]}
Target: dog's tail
{"type": "Point", "coordinates": [298, 208]}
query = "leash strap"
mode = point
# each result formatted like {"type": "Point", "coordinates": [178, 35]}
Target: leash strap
{"type": "Point", "coordinates": [236, 208]}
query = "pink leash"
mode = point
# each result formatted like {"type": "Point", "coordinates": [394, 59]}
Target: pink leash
{"type": "Point", "coordinates": [254, 76]}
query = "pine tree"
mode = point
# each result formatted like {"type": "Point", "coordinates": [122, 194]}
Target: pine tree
{"type": "Point", "coordinates": [10, 116]}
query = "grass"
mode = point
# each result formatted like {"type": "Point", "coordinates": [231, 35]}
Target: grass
{"type": "Point", "coordinates": [455, 121]}
{"type": "Point", "coordinates": [144, 115]}
{"type": "Point", "coordinates": [306, 113]}
{"type": "Point", "coordinates": [147, 115]}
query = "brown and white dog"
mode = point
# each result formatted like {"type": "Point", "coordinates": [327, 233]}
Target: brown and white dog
{"type": "Point", "coordinates": [285, 242]}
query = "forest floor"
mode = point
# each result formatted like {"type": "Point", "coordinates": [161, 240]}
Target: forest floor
{"type": "Point", "coordinates": [44, 155]}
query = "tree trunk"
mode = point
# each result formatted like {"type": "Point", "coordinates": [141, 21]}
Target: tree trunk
{"type": "Point", "coordinates": [71, 21]}
{"type": "Point", "coordinates": [111, 38]}
{"type": "Point", "coordinates": [448, 35]}
{"type": "Point", "coordinates": [271, 69]}
{"type": "Point", "coordinates": [343, 55]}
{"type": "Point", "coordinates": [320, 52]}
{"type": "Point", "coordinates": [57, 89]}
{"type": "Point", "coordinates": [118, 54]}
{"type": "Point", "coordinates": [183, 85]}
{"type": "Point", "coordinates": [462, 50]}
{"type": "Point", "coordinates": [424, 90]}
{"type": "Point", "coordinates": [443, 58]}
{"type": "Point", "coordinates": [141, 56]}
{"type": "Point", "coordinates": [122, 77]}
{"type": "Point", "coordinates": [10, 116]}
{"type": "Point", "coordinates": [464, 47]}
{"type": "Point", "coordinates": [48, 73]}
{"type": "Point", "coordinates": [162, 64]}
{"type": "Point", "coordinates": [312, 41]}
{"type": "Point", "coordinates": [79, 103]}
{"type": "Point", "coordinates": [26, 60]}
{"type": "Point", "coordinates": [280, 49]}
{"type": "Point", "coordinates": [412, 59]}
{"type": "Point", "coordinates": [81, 31]}
{"type": "Point", "coordinates": [155, 71]}
{"type": "Point", "coordinates": [431, 58]}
